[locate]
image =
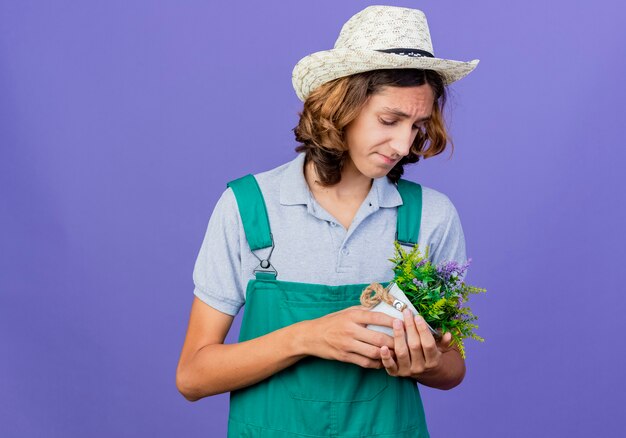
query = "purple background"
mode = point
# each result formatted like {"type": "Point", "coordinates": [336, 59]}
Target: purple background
{"type": "Point", "coordinates": [121, 122]}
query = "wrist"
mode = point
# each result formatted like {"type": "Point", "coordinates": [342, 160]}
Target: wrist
{"type": "Point", "coordinates": [300, 338]}
{"type": "Point", "coordinates": [447, 374]}
{"type": "Point", "coordinates": [429, 374]}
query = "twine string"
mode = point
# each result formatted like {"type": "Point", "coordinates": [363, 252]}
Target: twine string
{"type": "Point", "coordinates": [380, 293]}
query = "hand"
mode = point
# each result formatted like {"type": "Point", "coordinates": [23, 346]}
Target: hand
{"type": "Point", "coordinates": [343, 336]}
{"type": "Point", "coordinates": [418, 352]}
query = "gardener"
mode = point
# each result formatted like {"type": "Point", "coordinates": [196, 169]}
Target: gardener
{"type": "Point", "coordinates": [298, 243]}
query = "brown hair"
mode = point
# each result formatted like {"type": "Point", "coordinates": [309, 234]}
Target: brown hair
{"type": "Point", "coordinates": [333, 105]}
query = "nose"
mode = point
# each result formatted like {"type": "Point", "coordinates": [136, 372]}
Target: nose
{"type": "Point", "coordinates": [401, 143]}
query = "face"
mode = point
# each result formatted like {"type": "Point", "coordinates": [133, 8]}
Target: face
{"type": "Point", "coordinates": [386, 127]}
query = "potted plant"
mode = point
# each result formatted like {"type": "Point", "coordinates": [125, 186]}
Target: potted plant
{"type": "Point", "coordinates": [437, 293]}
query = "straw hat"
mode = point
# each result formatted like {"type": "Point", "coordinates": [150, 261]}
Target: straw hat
{"type": "Point", "coordinates": [378, 37]}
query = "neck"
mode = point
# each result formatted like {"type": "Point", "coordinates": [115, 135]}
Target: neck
{"type": "Point", "coordinates": [353, 183]}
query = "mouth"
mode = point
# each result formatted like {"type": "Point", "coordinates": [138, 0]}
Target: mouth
{"type": "Point", "coordinates": [386, 159]}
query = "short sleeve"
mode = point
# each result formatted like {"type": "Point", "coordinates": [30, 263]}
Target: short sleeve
{"type": "Point", "coordinates": [449, 242]}
{"type": "Point", "coordinates": [217, 271]}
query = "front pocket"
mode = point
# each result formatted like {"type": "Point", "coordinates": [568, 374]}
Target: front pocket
{"type": "Point", "coordinates": [314, 378]}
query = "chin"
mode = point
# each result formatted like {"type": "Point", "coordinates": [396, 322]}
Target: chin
{"type": "Point", "coordinates": [380, 175]}
{"type": "Point", "coordinates": [376, 173]}
{"type": "Point", "coordinates": [373, 170]}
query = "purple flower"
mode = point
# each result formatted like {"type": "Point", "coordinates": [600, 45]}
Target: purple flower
{"type": "Point", "coordinates": [418, 283]}
{"type": "Point", "coordinates": [421, 263]}
{"type": "Point", "coordinates": [446, 269]}
{"type": "Point", "coordinates": [465, 265]}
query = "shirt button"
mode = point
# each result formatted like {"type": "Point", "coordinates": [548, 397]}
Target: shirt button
{"type": "Point", "coordinates": [333, 224]}
{"type": "Point", "coordinates": [345, 251]}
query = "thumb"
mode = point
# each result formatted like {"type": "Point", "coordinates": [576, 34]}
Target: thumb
{"type": "Point", "coordinates": [446, 340]}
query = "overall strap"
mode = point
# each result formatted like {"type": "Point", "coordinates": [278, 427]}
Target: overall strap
{"type": "Point", "coordinates": [409, 213]}
{"type": "Point", "coordinates": [255, 220]}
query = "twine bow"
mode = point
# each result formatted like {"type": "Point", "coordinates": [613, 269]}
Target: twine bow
{"type": "Point", "coordinates": [380, 294]}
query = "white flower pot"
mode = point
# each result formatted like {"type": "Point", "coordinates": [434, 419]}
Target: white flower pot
{"type": "Point", "coordinates": [394, 312]}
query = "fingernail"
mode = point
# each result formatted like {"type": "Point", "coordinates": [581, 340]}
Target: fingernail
{"type": "Point", "coordinates": [397, 324]}
{"type": "Point", "coordinates": [407, 313]}
{"type": "Point", "coordinates": [418, 318]}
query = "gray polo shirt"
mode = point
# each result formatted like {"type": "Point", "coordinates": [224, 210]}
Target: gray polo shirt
{"type": "Point", "coordinates": [311, 246]}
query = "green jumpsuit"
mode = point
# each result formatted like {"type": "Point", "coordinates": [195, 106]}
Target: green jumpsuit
{"type": "Point", "coordinates": [317, 397]}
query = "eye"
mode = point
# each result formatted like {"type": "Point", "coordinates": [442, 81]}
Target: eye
{"type": "Point", "coordinates": [385, 122]}
{"type": "Point", "coordinates": [420, 127]}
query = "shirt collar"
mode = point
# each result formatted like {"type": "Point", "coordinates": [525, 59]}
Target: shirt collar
{"type": "Point", "coordinates": [293, 187]}
{"type": "Point", "coordinates": [294, 190]}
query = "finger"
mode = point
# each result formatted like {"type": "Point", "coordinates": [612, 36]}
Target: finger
{"type": "Point", "coordinates": [355, 307]}
{"type": "Point", "coordinates": [429, 346]}
{"type": "Point", "coordinates": [388, 362]}
{"type": "Point", "coordinates": [445, 343]}
{"type": "Point", "coordinates": [413, 340]}
{"type": "Point", "coordinates": [363, 316]}
{"type": "Point", "coordinates": [362, 361]}
{"type": "Point", "coordinates": [402, 350]}
{"type": "Point", "coordinates": [373, 337]}
{"type": "Point", "coordinates": [365, 349]}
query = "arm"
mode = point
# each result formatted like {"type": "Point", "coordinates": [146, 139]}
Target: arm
{"type": "Point", "coordinates": [208, 367]}
{"type": "Point", "coordinates": [448, 374]}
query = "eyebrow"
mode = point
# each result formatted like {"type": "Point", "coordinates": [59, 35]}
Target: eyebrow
{"type": "Point", "coordinates": [402, 114]}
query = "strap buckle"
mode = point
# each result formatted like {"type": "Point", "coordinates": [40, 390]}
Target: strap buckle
{"type": "Point", "coordinates": [264, 264]}
{"type": "Point", "coordinates": [401, 242]}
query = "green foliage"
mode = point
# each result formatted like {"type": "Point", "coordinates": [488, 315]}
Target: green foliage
{"type": "Point", "coordinates": [438, 298]}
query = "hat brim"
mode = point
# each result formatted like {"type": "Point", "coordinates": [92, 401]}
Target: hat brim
{"type": "Point", "coordinates": [317, 68]}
